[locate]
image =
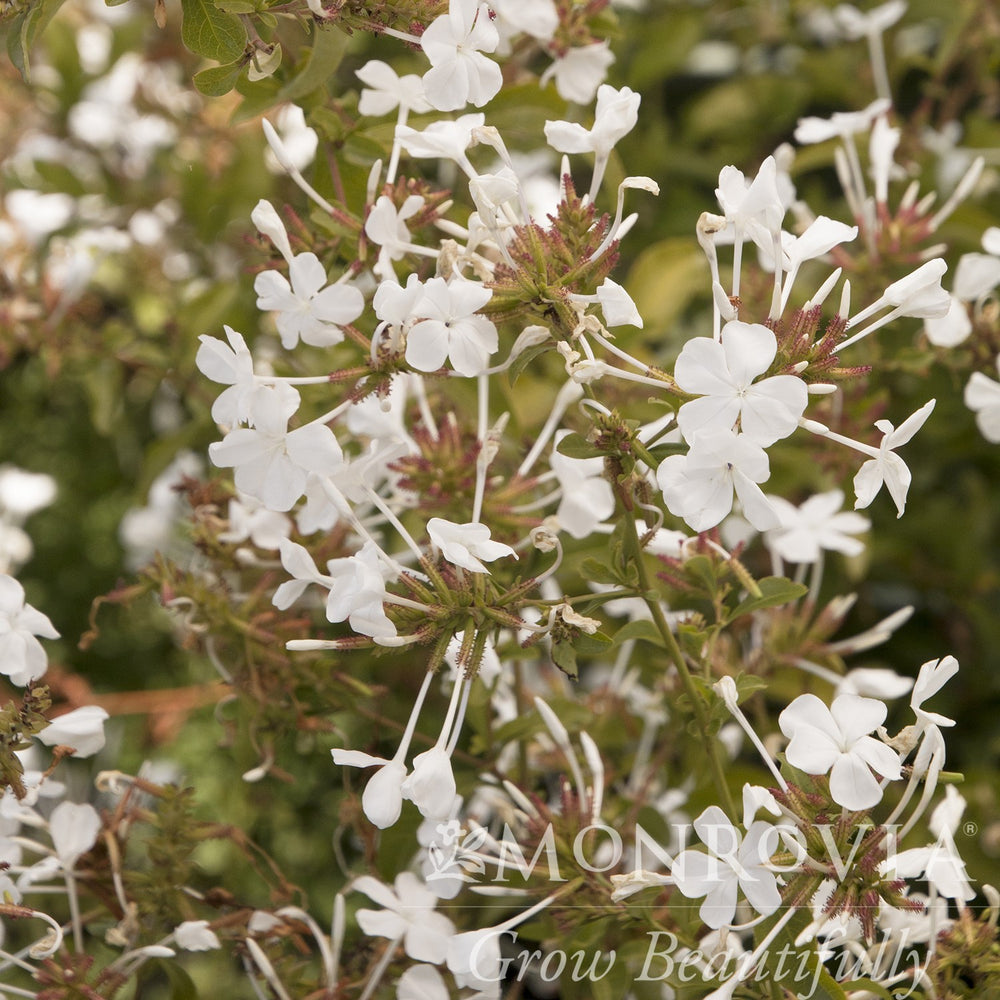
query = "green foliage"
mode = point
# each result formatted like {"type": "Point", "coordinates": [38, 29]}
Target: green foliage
{"type": "Point", "coordinates": [211, 31]}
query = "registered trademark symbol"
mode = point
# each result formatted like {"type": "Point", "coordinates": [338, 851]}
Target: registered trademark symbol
{"type": "Point", "coordinates": [971, 829]}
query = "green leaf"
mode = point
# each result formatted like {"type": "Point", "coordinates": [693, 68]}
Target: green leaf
{"type": "Point", "coordinates": [211, 32]}
{"type": "Point", "coordinates": [598, 572]}
{"type": "Point", "coordinates": [218, 80]}
{"type": "Point", "coordinates": [592, 644]}
{"type": "Point", "coordinates": [564, 657]}
{"type": "Point", "coordinates": [775, 591]}
{"type": "Point", "coordinates": [24, 29]}
{"type": "Point", "coordinates": [524, 360]}
{"type": "Point", "coordinates": [329, 46]}
{"type": "Point", "coordinates": [577, 446]}
{"type": "Point", "coordinates": [182, 986]}
{"type": "Point", "coordinates": [642, 629]}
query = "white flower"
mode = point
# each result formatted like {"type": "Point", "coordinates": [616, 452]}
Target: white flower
{"type": "Point", "coordinates": [734, 863]}
{"type": "Point", "coordinates": [74, 829]}
{"type": "Point", "coordinates": [269, 224]}
{"type": "Point", "coordinates": [976, 275]}
{"type": "Point", "coordinates": [933, 675]}
{"type": "Point", "coordinates": [950, 329]}
{"type": "Point", "coordinates": [887, 467]}
{"type": "Point", "coordinates": [580, 72]}
{"type": "Point", "coordinates": [982, 396]}
{"type": "Point", "coordinates": [753, 207]}
{"type": "Point", "coordinates": [466, 544]}
{"type": "Point", "coordinates": [23, 493]}
{"type": "Point", "coordinates": [940, 864]}
{"type": "Point", "coordinates": [454, 43]}
{"type": "Point", "coordinates": [82, 729]}
{"type": "Point", "coordinates": [841, 123]}
{"type": "Point", "coordinates": [699, 486]}
{"type": "Point", "coordinates": [421, 982]}
{"type": "Point", "coordinates": [408, 914]}
{"type": "Point", "coordinates": [836, 739]}
{"type": "Point", "coordinates": [818, 239]}
{"type": "Point", "coordinates": [446, 140]}
{"type": "Point", "coordinates": [355, 583]}
{"type": "Point", "coordinates": [386, 90]}
{"type": "Point", "coordinates": [615, 115]}
{"type": "Point", "coordinates": [857, 24]}
{"type": "Point", "coordinates": [357, 593]}
{"type": "Point", "coordinates": [386, 226]}
{"type": "Point", "coordinates": [918, 294]}
{"type": "Point", "coordinates": [818, 524]}
{"type": "Point", "coordinates": [431, 784]}
{"type": "Point", "coordinates": [587, 497]}
{"type": "Point", "coordinates": [722, 374]}
{"type": "Point", "coordinates": [22, 657]}
{"type": "Point", "coordinates": [882, 146]}
{"type": "Point", "coordinates": [196, 935]}
{"type": "Point", "coordinates": [307, 308]}
{"type": "Point", "coordinates": [272, 464]}
{"type": "Point", "coordinates": [617, 305]}
{"type": "Point", "coordinates": [296, 141]}
{"type": "Point", "coordinates": [451, 328]}
{"type": "Point", "coordinates": [538, 18]}
{"type": "Point", "coordinates": [249, 521]}
{"type": "Point", "coordinates": [230, 365]}
{"type": "Point", "coordinates": [382, 799]}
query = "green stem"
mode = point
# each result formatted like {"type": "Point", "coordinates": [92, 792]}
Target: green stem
{"type": "Point", "coordinates": [674, 650]}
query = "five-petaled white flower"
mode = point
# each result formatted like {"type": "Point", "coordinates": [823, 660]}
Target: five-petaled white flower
{"type": "Point", "coordinates": [308, 308]}
{"type": "Point", "coordinates": [886, 466]}
{"type": "Point", "coordinates": [721, 373]}
{"type": "Point", "coordinates": [454, 43]}
{"type": "Point", "coordinates": [466, 544]}
{"type": "Point", "coordinates": [837, 739]}
{"type": "Point", "coordinates": [273, 463]}
{"type": "Point", "coordinates": [734, 863]}
{"type": "Point", "coordinates": [699, 486]}
{"type": "Point", "coordinates": [580, 71]}
{"type": "Point", "coordinates": [408, 915]}
{"type": "Point", "coordinates": [816, 525]}
{"type": "Point", "coordinates": [355, 583]}
{"type": "Point", "coordinates": [22, 657]}
{"type": "Point", "coordinates": [451, 327]}
{"type": "Point", "coordinates": [386, 91]}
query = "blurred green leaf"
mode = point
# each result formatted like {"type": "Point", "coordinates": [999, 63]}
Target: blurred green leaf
{"type": "Point", "coordinates": [775, 591]}
{"type": "Point", "coordinates": [328, 48]}
{"type": "Point", "coordinates": [24, 28]}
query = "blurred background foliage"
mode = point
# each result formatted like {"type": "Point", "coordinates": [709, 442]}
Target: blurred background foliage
{"type": "Point", "coordinates": [99, 389]}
